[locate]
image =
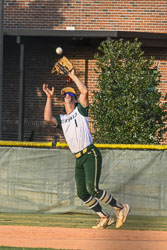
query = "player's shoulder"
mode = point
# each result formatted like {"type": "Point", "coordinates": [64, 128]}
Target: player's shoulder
{"type": "Point", "coordinates": [83, 110]}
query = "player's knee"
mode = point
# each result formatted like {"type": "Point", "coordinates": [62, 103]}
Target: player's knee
{"type": "Point", "coordinates": [83, 195]}
{"type": "Point", "coordinates": [91, 190]}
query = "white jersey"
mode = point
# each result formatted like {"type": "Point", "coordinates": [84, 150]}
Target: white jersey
{"type": "Point", "coordinates": [75, 128]}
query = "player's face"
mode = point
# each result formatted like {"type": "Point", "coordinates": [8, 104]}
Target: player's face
{"type": "Point", "coordinates": [68, 97]}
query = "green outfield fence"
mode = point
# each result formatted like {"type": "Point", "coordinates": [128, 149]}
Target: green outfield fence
{"type": "Point", "coordinates": [39, 177]}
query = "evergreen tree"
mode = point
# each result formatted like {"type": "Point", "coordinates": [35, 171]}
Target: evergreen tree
{"type": "Point", "coordinates": [126, 106]}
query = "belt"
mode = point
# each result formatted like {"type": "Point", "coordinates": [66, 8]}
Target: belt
{"type": "Point", "coordinates": [82, 152]}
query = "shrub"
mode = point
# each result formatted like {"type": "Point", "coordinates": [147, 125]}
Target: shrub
{"type": "Point", "coordinates": [126, 106]}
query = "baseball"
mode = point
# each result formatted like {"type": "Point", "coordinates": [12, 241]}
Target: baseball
{"type": "Point", "coordinates": [59, 50]}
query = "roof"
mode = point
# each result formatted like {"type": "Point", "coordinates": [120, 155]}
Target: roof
{"type": "Point", "coordinates": [150, 39]}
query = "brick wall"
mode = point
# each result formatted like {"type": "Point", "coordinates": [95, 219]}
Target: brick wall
{"type": "Point", "coordinates": [39, 59]}
{"type": "Point", "coordinates": [40, 56]}
{"type": "Point", "coordinates": [139, 15]}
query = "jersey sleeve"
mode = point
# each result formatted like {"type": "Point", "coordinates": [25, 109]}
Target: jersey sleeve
{"type": "Point", "coordinates": [82, 110]}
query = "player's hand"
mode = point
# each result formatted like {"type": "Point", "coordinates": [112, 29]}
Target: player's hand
{"type": "Point", "coordinates": [47, 91]}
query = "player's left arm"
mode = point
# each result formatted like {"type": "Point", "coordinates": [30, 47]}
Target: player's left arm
{"type": "Point", "coordinates": [83, 98]}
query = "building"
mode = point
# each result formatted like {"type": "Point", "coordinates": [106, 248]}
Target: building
{"type": "Point", "coordinates": [32, 30]}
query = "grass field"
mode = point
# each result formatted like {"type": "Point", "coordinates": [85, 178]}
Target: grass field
{"type": "Point", "coordinates": [80, 221]}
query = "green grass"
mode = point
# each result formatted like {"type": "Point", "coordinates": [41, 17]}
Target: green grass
{"type": "Point", "coordinates": [81, 221]}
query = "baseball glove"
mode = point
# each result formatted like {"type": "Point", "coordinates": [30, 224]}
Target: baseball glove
{"type": "Point", "coordinates": [63, 66]}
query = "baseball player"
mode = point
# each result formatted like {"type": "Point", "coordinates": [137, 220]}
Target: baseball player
{"type": "Point", "coordinates": [74, 124]}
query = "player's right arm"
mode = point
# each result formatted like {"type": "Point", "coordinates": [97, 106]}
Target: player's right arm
{"type": "Point", "coordinates": [48, 106]}
{"type": "Point", "coordinates": [83, 98]}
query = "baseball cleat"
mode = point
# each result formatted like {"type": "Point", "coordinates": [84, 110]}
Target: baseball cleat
{"type": "Point", "coordinates": [122, 215]}
{"type": "Point", "coordinates": [104, 222]}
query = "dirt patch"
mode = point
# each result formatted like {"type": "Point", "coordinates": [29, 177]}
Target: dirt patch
{"type": "Point", "coordinates": [81, 238]}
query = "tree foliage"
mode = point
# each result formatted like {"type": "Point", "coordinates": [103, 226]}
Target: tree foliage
{"type": "Point", "coordinates": [127, 105]}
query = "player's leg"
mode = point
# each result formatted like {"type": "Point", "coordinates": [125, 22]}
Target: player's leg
{"type": "Point", "coordinates": [121, 210]}
{"type": "Point", "coordinates": [92, 188]}
{"type": "Point", "coordinates": [82, 192]}
{"type": "Point", "coordinates": [107, 198]}
{"type": "Point", "coordinates": [92, 166]}
{"type": "Point", "coordinates": [90, 201]}
{"type": "Point", "coordinates": [93, 171]}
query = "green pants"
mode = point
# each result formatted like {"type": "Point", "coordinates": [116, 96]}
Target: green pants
{"type": "Point", "coordinates": [87, 173]}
